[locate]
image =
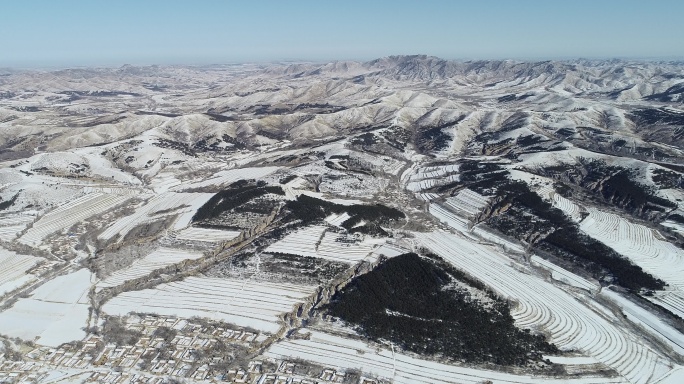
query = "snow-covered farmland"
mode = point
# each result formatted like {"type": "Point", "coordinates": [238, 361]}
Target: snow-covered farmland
{"type": "Point", "coordinates": [486, 234]}
{"type": "Point", "coordinates": [433, 172]}
{"type": "Point", "coordinates": [160, 258]}
{"type": "Point", "coordinates": [335, 351]}
{"type": "Point", "coordinates": [55, 313]}
{"type": "Point", "coordinates": [13, 269]}
{"type": "Point", "coordinates": [242, 159]}
{"type": "Point", "coordinates": [672, 300]}
{"type": "Point", "coordinates": [390, 250]}
{"type": "Point", "coordinates": [390, 166]}
{"type": "Point", "coordinates": [318, 241]}
{"type": "Point", "coordinates": [566, 205]}
{"type": "Point", "coordinates": [678, 227]}
{"type": "Point", "coordinates": [38, 193]}
{"type": "Point", "coordinates": [421, 185]}
{"type": "Point", "coordinates": [428, 196]}
{"type": "Point", "coordinates": [303, 242]}
{"type": "Point", "coordinates": [648, 321]}
{"type": "Point", "coordinates": [10, 176]}
{"type": "Point", "coordinates": [246, 303]}
{"type": "Point", "coordinates": [464, 225]}
{"type": "Point", "coordinates": [428, 177]}
{"type": "Point", "coordinates": [230, 176]}
{"type": "Point", "coordinates": [164, 181]}
{"type": "Point", "coordinates": [337, 219]}
{"type": "Point", "coordinates": [448, 217]}
{"type": "Point", "coordinates": [328, 198]}
{"type": "Point", "coordinates": [206, 235]}
{"type": "Point", "coordinates": [469, 202]}
{"type": "Point", "coordinates": [541, 305]}
{"type": "Point", "coordinates": [160, 206]}
{"type": "Point", "coordinates": [344, 248]}
{"type": "Point", "coordinates": [112, 189]}
{"type": "Point", "coordinates": [562, 274]}
{"type": "Point", "coordinates": [10, 226]}
{"type": "Point", "coordinates": [69, 214]}
{"type": "Point", "coordinates": [639, 243]}
{"type": "Point", "coordinates": [675, 376]}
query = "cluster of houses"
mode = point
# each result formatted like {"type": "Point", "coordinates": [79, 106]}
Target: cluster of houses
{"type": "Point", "coordinates": [159, 358]}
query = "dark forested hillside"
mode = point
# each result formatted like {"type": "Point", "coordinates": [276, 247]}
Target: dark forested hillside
{"type": "Point", "coordinates": [416, 303]}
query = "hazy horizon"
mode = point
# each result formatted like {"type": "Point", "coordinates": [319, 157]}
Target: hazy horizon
{"type": "Point", "coordinates": [45, 34]}
{"type": "Point", "coordinates": [57, 67]}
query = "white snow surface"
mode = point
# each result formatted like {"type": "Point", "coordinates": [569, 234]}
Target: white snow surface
{"type": "Point", "coordinates": [229, 176]}
{"type": "Point", "coordinates": [648, 321]}
{"type": "Point", "coordinates": [246, 303]}
{"type": "Point", "coordinates": [184, 205]}
{"type": "Point", "coordinates": [55, 313]}
{"type": "Point", "coordinates": [642, 245]}
{"type": "Point", "coordinates": [562, 274]}
{"type": "Point", "coordinates": [158, 259]}
{"type": "Point", "coordinates": [206, 234]}
{"type": "Point", "coordinates": [13, 269]}
{"type": "Point", "coordinates": [319, 242]}
{"type": "Point", "coordinates": [343, 353]}
{"type": "Point", "coordinates": [69, 214]}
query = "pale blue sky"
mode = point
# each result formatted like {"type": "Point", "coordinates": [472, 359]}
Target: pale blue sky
{"type": "Point", "coordinates": [45, 33]}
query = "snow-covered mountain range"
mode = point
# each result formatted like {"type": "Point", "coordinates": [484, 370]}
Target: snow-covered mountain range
{"type": "Point", "coordinates": [215, 223]}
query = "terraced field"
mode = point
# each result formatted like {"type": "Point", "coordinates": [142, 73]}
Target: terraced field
{"type": "Point", "coordinates": [206, 235]}
{"type": "Point", "coordinates": [160, 258]}
{"type": "Point", "coordinates": [672, 300]}
{"type": "Point", "coordinates": [571, 209]}
{"type": "Point", "coordinates": [69, 214]}
{"type": "Point", "coordinates": [247, 303]}
{"type": "Point", "coordinates": [640, 244]}
{"type": "Point", "coordinates": [562, 274]}
{"type": "Point", "coordinates": [434, 172]}
{"type": "Point", "coordinates": [337, 219]}
{"type": "Point", "coordinates": [13, 269]}
{"type": "Point", "coordinates": [318, 241]}
{"type": "Point", "coordinates": [335, 351]}
{"type": "Point", "coordinates": [449, 217]}
{"type": "Point", "coordinates": [545, 307]}
{"type": "Point", "coordinates": [468, 202]}
{"type": "Point", "coordinates": [184, 205]}
{"type": "Point", "coordinates": [230, 176]}
{"type": "Point", "coordinates": [11, 225]}
{"type": "Point", "coordinates": [428, 177]}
